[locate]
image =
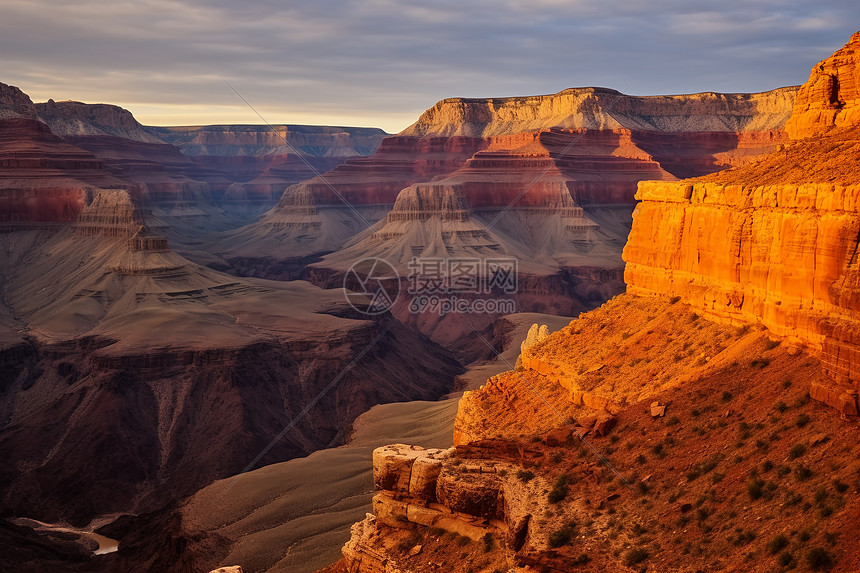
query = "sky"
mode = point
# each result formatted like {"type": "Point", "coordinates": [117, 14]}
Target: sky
{"type": "Point", "coordinates": [382, 62]}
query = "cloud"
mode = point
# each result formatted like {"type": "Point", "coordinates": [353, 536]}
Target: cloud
{"type": "Point", "coordinates": [380, 61]}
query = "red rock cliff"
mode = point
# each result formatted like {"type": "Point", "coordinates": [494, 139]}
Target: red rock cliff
{"type": "Point", "coordinates": [831, 96]}
{"type": "Point", "coordinates": [776, 242]}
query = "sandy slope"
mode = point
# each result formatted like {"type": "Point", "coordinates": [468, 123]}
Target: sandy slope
{"type": "Point", "coordinates": [294, 516]}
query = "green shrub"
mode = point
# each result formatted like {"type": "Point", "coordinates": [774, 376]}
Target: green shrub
{"type": "Point", "coordinates": [785, 559]}
{"type": "Point", "coordinates": [796, 451]}
{"type": "Point", "coordinates": [802, 473]}
{"type": "Point", "coordinates": [777, 544]}
{"type": "Point", "coordinates": [802, 420]}
{"type": "Point", "coordinates": [525, 476]}
{"type": "Point", "coordinates": [780, 407]}
{"type": "Point", "coordinates": [562, 536]}
{"type": "Point", "coordinates": [755, 488]}
{"type": "Point", "coordinates": [635, 555]}
{"type": "Point", "coordinates": [489, 542]}
{"type": "Point", "coordinates": [819, 558]}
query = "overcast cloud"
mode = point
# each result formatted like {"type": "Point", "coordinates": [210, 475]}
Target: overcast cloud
{"type": "Point", "coordinates": [382, 62]}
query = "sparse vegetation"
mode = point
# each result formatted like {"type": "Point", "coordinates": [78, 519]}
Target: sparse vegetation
{"type": "Point", "coordinates": [489, 542]}
{"type": "Point", "coordinates": [819, 558]}
{"type": "Point", "coordinates": [755, 488]}
{"type": "Point", "coordinates": [525, 476]}
{"type": "Point", "coordinates": [796, 451]}
{"type": "Point", "coordinates": [559, 491]}
{"type": "Point", "coordinates": [802, 473]}
{"type": "Point", "coordinates": [777, 544]}
{"type": "Point", "coordinates": [635, 555]}
{"type": "Point", "coordinates": [562, 536]}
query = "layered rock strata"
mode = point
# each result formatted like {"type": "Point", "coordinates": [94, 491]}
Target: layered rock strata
{"type": "Point", "coordinates": [784, 253]}
{"type": "Point", "coordinates": [830, 98]}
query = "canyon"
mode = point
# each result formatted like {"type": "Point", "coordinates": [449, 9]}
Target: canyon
{"type": "Point", "coordinates": [132, 376]}
{"type": "Point", "coordinates": [689, 434]}
{"type": "Point", "coordinates": [185, 370]}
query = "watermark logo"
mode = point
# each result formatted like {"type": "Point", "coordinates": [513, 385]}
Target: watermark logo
{"type": "Point", "coordinates": [372, 286]}
{"type": "Point", "coordinates": [439, 285]}
{"type": "Point", "coordinates": [447, 285]}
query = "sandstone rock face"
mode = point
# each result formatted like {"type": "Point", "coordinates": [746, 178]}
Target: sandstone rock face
{"type": "Point", "coordinates": [831, 96]}
{"type": "Point", "coordinates": [44, 179]}
{"type": "Point", "coordinates": [14, 103]}
{"type": "Point", "coordinates": [601, 108]}
{"type": "Point", "coordinates": [76, 118]}
{"type": "Point", "coordinates": [277, 140]}
{"type": "Point", "coordinates": [160, 176]}
{"type": "Point", "coordinates": [781, 255]}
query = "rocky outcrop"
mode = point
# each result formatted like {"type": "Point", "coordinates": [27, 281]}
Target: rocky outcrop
{"type": "Point", "coordinates": [14, 103]}
{"type": "Point", "coordinates": [160, 175]}
{"type": "Point", "coordinates": [44, 179]}
{"type": "Point", "coordinates": [781, 255]}
{"type": "Point", "coordinates": [830, 98]}
{"type": "Point", "coordinates": [276, 140]}
{"type": "Point", "coordinates": [570, 499]}
{"type": "Point", "coordinates": [605, 109]}
{"type": "Point", "coordinates": [776, 242]}
{"type": "Point", "coordinates": [74, 118]}
{"type": "Point", "coordinates": [453, 491]}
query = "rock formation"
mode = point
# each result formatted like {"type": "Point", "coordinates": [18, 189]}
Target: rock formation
{"type": "Point", "coordinates": [43, 178]}
{"type": "Point", "coordinates": [260, 161]}
{"type": "Point", "coordinates": [80, 119]}
{"type": "Point", "coordinates": [133, 377]}
{"type": "Point", "coordinates": [546, 484]}
{"type": "Point", "coordinates": [602, 108]}
{"type": "Point", "coordinates": [742, 299]}
{"type": "Point", "coordinates": [830, 98]}
{"type": "Point", "coordinates": [792, 234]}
{"type": "Point", "coordinates": [529, 168]}
{"type": "Point", "coordinates": [15, 104]}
